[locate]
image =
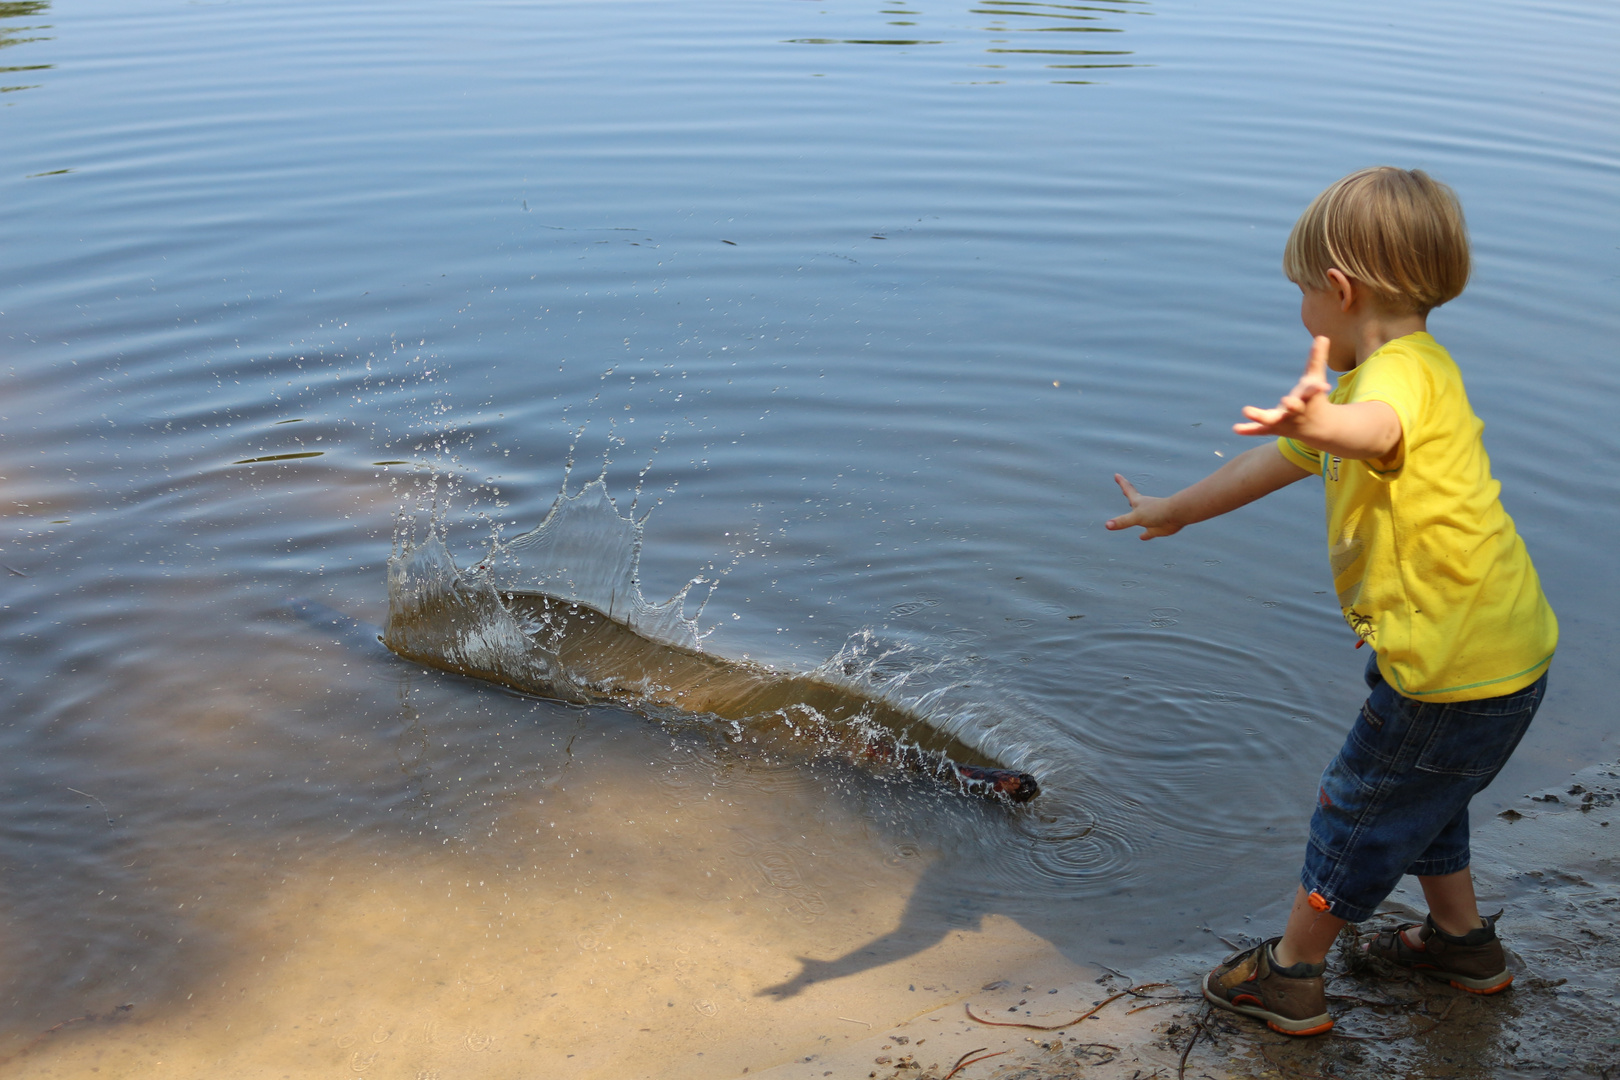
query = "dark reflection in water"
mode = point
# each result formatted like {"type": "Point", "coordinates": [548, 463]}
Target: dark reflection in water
{"type": "Point", "coordinates": [11, 34]}
{"type": "Point", "coordinates": [1008, 17]}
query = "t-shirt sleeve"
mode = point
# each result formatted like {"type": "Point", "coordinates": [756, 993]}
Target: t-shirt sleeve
{"type": "Point", "coordinates": [1306, 458]}
{"type": "Point", "coordinates": [1400, 380]}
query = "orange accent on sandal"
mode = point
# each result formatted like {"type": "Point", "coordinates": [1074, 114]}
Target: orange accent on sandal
{"type": "Point", "coordinates": [1317, 1030]}
{"type": "Point", "coordinates": [1318, 901]}
{"type": "Point", "coordinates": [1497, 989]}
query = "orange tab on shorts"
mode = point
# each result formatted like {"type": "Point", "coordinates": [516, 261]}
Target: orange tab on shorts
{"type": "Point", "coordinates": [1318, 901]}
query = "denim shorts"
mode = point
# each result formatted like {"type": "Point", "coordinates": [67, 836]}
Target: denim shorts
{"type": "Point", "coordinates": [1395, 799]}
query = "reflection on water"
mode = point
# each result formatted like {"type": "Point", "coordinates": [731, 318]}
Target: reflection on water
{"type": "Point", "coordinates": [1007, 18]}
{"type": "Point", "coordinates": [13, 34]}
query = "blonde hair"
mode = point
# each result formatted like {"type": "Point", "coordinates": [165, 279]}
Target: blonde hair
{"type": "Point", "coordinates": [1398, 232]}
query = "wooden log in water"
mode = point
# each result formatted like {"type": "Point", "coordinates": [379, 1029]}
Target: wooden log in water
{"type": "Point", "coordinates": [581, 654]}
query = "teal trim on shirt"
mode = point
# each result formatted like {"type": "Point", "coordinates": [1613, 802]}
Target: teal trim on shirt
{"type": "Point", "coordinates": [1543, 662]}
{"type": "Point", "coordinates": [1306, 451]}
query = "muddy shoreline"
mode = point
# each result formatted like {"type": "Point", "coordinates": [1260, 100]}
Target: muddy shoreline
{"type": "Point", "coordinates": [1550, 860]}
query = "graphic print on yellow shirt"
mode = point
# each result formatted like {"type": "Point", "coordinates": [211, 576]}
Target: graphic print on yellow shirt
{"type": "Point", "coordinates": [1427, 565]}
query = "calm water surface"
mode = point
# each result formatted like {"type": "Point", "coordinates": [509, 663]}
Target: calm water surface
{"type": "Point", "coordinates": [869, 302]}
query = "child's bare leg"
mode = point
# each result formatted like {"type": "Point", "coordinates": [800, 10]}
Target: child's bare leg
{"type": "Point", "coordinates": [1309, 934]}
{"type": "Point", "coordinates": [1451, 902]}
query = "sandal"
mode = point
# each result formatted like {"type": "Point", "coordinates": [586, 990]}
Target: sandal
{"type": "Point", "coordinates": [1473, 961]}
{"type": "Point", "coordinates": [1290, 1000]}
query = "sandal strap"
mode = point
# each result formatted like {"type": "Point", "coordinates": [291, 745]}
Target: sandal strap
{"type": "Point", "coordinates": [1452, 939]}
{"type": "Point", "coordinates": [1392, 943]}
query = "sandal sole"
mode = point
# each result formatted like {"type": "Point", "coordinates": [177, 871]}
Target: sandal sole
{"type": "Point", "coordinates": [1493, 984]}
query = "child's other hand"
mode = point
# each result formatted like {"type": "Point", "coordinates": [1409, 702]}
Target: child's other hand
{"type": "Point", "coordinates": [1146, 511]}
{"type": "Point", "coordinates": [1301, 408]}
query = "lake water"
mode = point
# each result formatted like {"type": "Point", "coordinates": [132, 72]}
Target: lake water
{"type": "Point", "coordinates": [867, 302]}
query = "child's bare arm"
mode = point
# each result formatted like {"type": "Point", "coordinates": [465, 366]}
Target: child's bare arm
{"type": "Point", "coordinates": [1360, 431]}
{"type": "Point", "coordinates": [1240, 481]}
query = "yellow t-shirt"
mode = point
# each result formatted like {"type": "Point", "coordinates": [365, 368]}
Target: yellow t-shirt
{"type": "Point", "coordinates": [1427, 565]}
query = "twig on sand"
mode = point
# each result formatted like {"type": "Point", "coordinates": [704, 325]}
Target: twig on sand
{"type": "Point", "coordinates": [852, 1020]}
{"type": "Point", "coordinates": [1103, 1004]}
{"type": "Point", "coordinates": [964, 1057]}
{"type": "Point", "coordinates": [962, 1062]}
{"type": "Point", "coordinates": [104, 812]}
{"type": "Point", "coordinates": [1198, 1029]}
{"type": "Point", "coordinates": [1155, 1005]}
{"type": "Point", "coordinates": [1106, 1046]}
{"type": "Point", "coordinates": [1181, 1066]}
{"type": "Point", "coordinates": [65, 1023]}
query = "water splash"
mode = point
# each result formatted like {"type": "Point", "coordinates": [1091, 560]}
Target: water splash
{"type": "Point", "coordinates": [559, 612]}
{"type": "Point", "coordinates": [586, 552]}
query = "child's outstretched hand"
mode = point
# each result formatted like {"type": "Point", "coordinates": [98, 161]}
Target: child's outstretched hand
{"type": "Point", "coordinates": [1302, 410]}
{"type": "Point", "coordinates": [1146, 511]}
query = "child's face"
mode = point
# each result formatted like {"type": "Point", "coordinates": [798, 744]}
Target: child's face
{"type": "Point", "coordinates": [1322, 312]}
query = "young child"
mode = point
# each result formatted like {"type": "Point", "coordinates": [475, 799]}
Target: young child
{"type": "Point", "coordinates": [1429, 571]}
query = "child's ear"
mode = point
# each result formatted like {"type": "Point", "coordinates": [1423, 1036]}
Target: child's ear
{"type": "Point", "coordinates": [1343, 289]}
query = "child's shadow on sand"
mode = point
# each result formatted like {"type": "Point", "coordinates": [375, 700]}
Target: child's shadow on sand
{"type": "Point", "coordinates": [938, 906]}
